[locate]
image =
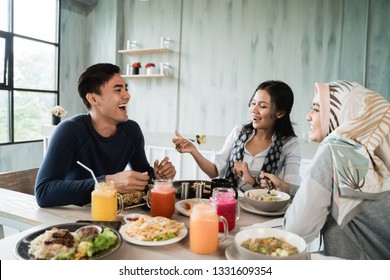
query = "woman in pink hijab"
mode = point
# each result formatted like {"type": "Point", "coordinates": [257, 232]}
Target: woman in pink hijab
{"type": "Point", "coordinates": [345, 194]}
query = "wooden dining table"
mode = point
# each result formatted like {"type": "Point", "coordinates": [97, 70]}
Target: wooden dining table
{"type": "Point", "coordinates": [21, 211]}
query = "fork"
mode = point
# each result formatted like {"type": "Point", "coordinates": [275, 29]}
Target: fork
{"type": "Point", "coordinates": [268, 187]}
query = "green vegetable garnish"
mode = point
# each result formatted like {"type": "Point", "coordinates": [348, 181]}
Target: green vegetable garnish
{"type": "Point", "coordinates": [65, 256]}
{"type": "Point", "coordinates": [100, 242]}
{"type": "Point", "coordinates": [103, 241]}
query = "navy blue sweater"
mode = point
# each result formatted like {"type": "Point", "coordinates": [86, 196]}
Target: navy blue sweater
{"type": "Point", "coordinates": [61, 181]}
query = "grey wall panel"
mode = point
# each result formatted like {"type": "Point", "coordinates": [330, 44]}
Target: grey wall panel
{"type": "Point", "coordinates": [223, 50]}
{"type": "Point", "coordinates": [378, 47]}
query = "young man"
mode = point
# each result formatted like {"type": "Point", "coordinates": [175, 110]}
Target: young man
{"type": "Point", "coordinates": [105, 140]}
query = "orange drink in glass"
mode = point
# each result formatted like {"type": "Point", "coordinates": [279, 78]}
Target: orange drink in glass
{"type": "Point", "coordinates": [204, 222]}
{"type": "Point", "coordinates": [104, 202]}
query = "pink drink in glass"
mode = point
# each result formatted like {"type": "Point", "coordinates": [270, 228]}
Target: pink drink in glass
{"type": "Point", "coordinates": [226, 205]}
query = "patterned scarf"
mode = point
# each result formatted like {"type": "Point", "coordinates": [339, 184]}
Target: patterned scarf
{"type": "Point", "coordinates": [270, 164]}
{"type": "Point", "coordinates": [358, 124]}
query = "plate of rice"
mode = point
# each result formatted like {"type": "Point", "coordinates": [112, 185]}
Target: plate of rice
{"type": "Point", "coordinates": [72, 241]}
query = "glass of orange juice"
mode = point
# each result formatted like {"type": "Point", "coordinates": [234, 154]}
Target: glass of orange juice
{"type": "Point", "coordinates": [106, 203]}
{"type": "Point", "coordinates": [204, 223]}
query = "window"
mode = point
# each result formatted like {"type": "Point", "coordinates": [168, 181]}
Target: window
{"type": "Point", "coordinates": [4, 19]}
{"type": "Point", "coordinates": [29, 59]}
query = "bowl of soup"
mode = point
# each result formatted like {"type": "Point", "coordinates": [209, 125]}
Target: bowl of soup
{"type": "Point", "coordinates": [266, 202]}
{"type": "Point", "coordinates": [269, 244]}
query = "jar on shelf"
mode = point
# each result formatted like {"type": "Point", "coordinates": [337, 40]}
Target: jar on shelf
{"type": "Point", "coordinates": [150, 68]}
{"type": "Point", "coordinates": [136, 66]}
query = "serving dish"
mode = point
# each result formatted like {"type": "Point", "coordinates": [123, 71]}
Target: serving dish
{"type": "Point", "coordinates": [231, 253]}
{"type": "Point", "coordinates": [22, 247]}
{"type": "Point", "coordinates": [132, 217]}
{"type": "Point", "coordinates": [272, 202]}
{"type": "Point", "coordinates": [244, 205]}
{"type": "Point", "coordinates": [253, 233]}
{"type": "Point", "coordinates": [183, 233]}
{"type": "Point", "coordinates": [111, 224]}
{"type": "Point", "coordinates": [135, 199]}
{"type": "Point", "coordinates": [183, 209]}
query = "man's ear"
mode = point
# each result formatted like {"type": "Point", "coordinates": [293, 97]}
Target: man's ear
{"type": "Point", "coordinates": [91, 98]}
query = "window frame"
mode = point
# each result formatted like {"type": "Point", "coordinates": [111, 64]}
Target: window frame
{"type": "Point", "coordinates": [8, 63]}
{"type": "Point", "coordinates": [8, 66]}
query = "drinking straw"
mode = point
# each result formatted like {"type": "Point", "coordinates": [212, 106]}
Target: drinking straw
{"type": "Point", "coordinates": [90, 170]}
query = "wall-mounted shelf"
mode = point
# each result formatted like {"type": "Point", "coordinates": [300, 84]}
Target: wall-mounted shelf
{"type": "Point", "coordinates": [145, 51]}
{"type": "Point", "coordinates": [164, 72]}
{"type": "Point", "coordinates": [145, 76]}
{"type": "Point", "coordinates": [164, 67]}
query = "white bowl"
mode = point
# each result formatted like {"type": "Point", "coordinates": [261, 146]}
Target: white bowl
{"type": "Point", "coordinates": [129, 218]}
{"type": "Point", "coordinates": [252, 233]}
{"type": "Point", "coordinates": [266, 206]}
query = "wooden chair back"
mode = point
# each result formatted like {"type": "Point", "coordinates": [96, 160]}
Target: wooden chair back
{"type": "Point", "coordinates": [21, 181]}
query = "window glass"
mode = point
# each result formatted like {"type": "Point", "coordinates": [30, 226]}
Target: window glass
{"type": "Point", "coordinates": [28, 86]}
{"type": "Point", "coordinates": [4, 15]}
{"type": "Point", "coordinates": [2, 61]}
{"type": "Point", "coordinates": [4, 119]}
{"type": "Point", "coordinates": [36, 19]}
{"type": "Point", "coordinates": [34, 65]}
{"type": "Point", "coordinates": [32, 109]}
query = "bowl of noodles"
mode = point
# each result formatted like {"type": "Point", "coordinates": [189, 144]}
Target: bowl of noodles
{"type": "Point", "coordinates": [266, 202]}
{"type": "Point", "coordinates": [269, 244]}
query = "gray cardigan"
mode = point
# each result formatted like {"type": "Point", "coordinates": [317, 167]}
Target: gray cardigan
{"type": "Point", "coordinates": [366, 236]}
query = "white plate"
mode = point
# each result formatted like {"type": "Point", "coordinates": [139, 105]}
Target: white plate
{"type": "Point", "coordinates": [231, 253]}
{"type": "Point", "coordinates": [253, 210]}
{"type": "Point", "coordinates": [183, 233]}
{"type": "Point", "coordinates": [274, 223]}
{"type": "Point", "coordinates": [179, 205]}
